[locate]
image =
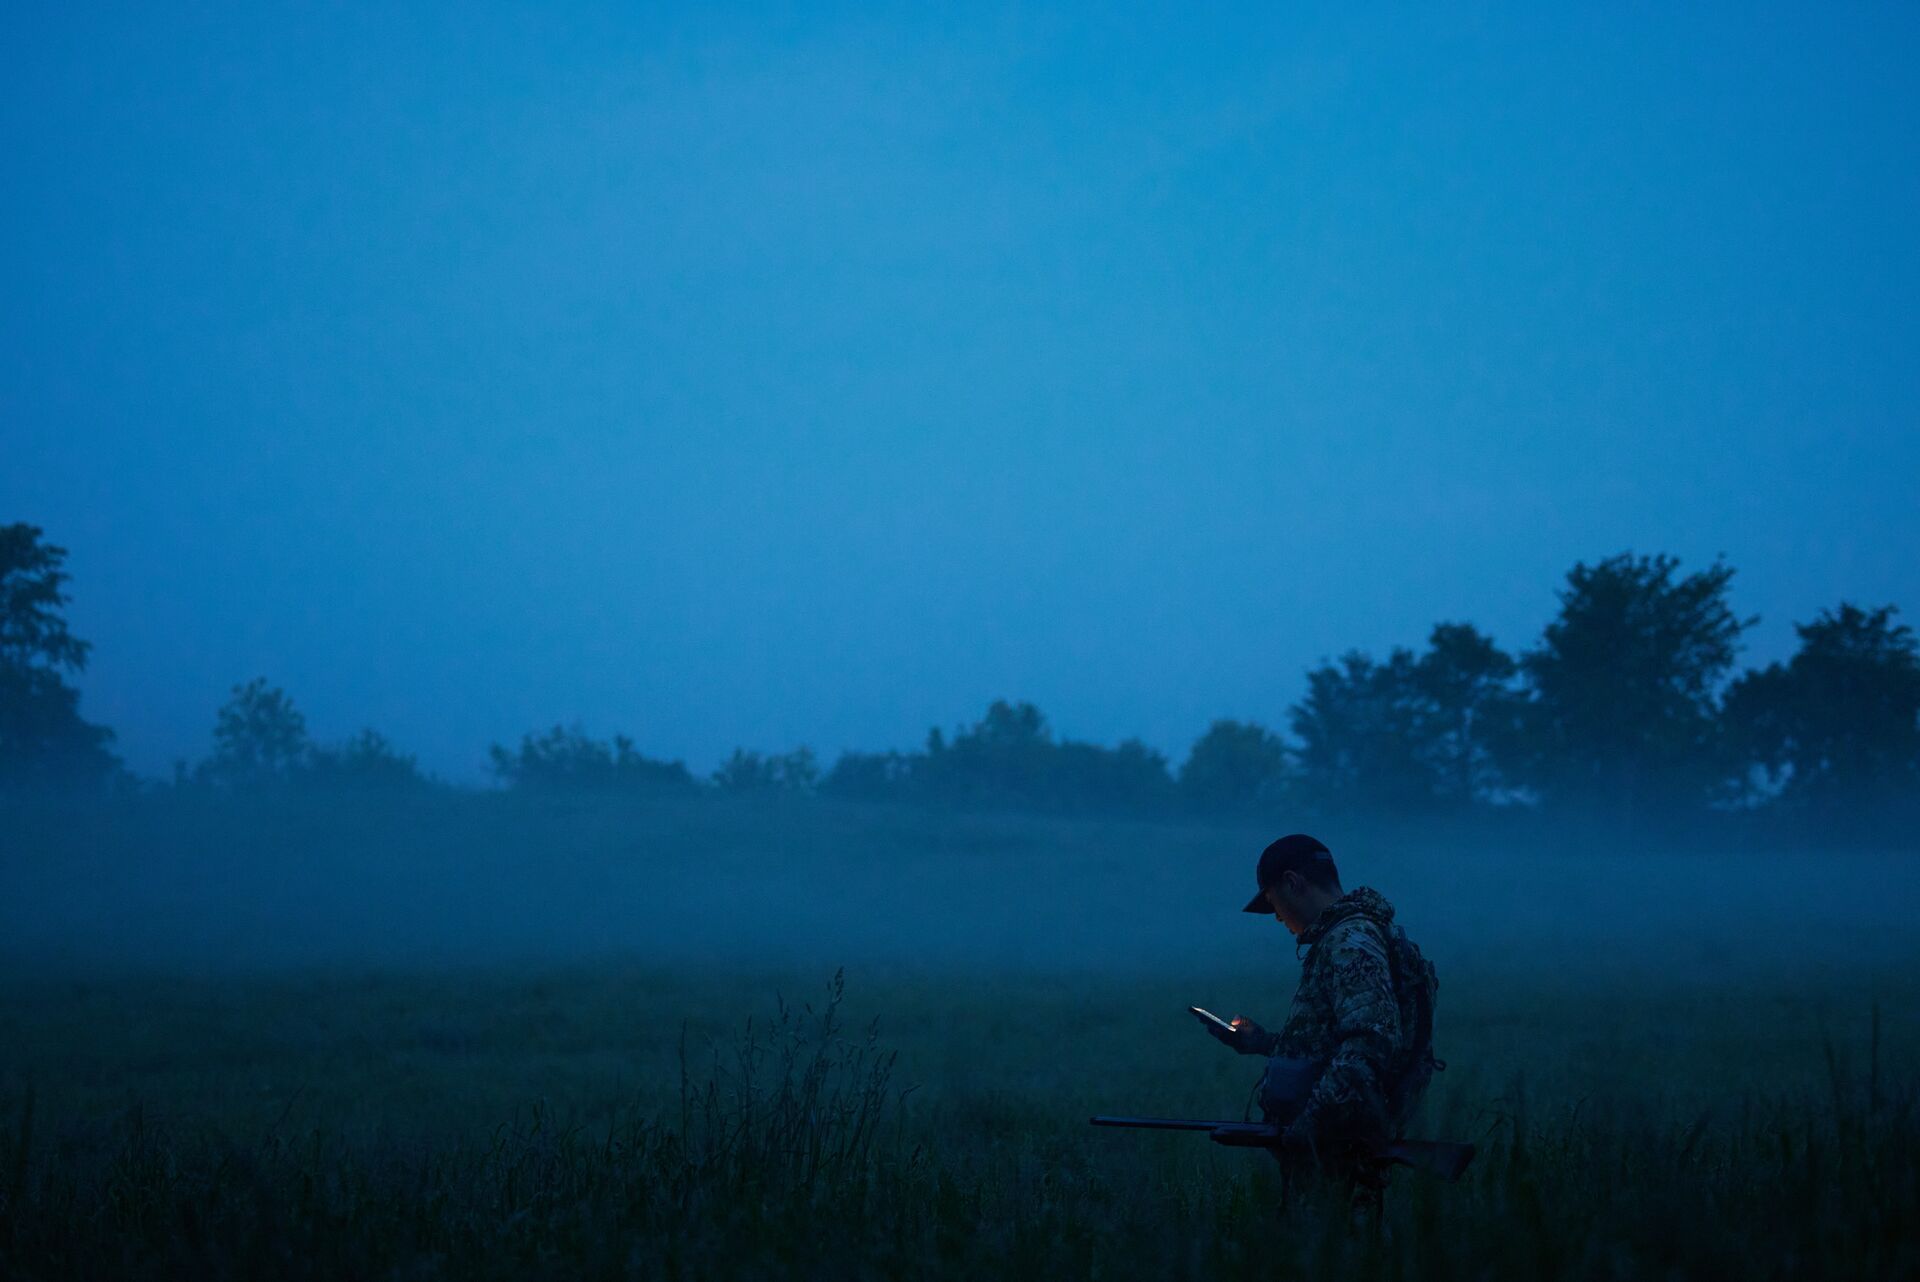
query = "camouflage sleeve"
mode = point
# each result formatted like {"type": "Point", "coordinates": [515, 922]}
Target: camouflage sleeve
{"type": "Point", "coordinates": [1348, 1105]}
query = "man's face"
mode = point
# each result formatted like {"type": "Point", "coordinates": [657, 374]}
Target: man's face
{"type": "Point", "coordinates": [1288, 899]}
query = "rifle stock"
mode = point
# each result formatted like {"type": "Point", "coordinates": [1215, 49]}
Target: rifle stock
{"type": "Point", "coordinates": [1443, 1159]}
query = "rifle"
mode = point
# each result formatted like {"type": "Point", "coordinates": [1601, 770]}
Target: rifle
{"type": "Point", "coordinates": [1442, 1158]}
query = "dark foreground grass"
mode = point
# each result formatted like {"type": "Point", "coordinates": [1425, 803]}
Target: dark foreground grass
{"type": "Point", "coordinates": [613, 1123]}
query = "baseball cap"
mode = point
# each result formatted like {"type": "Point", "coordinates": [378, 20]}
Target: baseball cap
{"type": "Point", "coordinates": [1293, 852]}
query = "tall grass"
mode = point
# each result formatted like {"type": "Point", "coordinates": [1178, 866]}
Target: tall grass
{"type": "Point", "coordinates": [792, 1148]}
{"type": "Point", "coordinates": [796, 1107]}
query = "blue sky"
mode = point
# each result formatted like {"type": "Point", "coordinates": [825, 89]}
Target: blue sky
{"type": "Point", "coordinates": [780, 374]}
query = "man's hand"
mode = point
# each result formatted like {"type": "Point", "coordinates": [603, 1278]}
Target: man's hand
{"type": "Point", "coordinates": [1245, 1036]}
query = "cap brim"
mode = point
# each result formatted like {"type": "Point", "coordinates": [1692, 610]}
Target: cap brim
{"type": "Point", "coordinates": [1259, 904]}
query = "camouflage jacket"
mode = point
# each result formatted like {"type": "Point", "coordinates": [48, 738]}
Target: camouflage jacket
{"type": "Point", "coordinates": [1345, 1015]}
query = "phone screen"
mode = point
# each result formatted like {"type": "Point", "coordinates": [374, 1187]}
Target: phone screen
{"type": "Point", "coordinates": [1211, 1018]}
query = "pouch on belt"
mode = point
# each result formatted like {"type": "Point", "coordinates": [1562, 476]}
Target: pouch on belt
{"type": "Point", "coordinates": [1287, 1085]}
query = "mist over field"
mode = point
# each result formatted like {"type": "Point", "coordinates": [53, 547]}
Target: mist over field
{"type": "Point", "coordinates": [468, 881]}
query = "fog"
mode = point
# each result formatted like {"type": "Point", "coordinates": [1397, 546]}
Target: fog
{"type": "Point", "coordinates": [739, 887]}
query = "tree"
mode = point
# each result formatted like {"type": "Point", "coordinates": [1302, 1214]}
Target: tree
{"type": "Point", "coordinates": [1002, 758]}
{"type": "Point", "coordinates": [566, 759]}
{"type": "Point", "coordinates": [367, 762]}
{"type": "Point", "coordinates": [1414, 733]}
{"type": "Point", "coordinates": [752, 772]}
{"type": "Point", "coordinates": [1364, 730]}
{"type": "Point", "coordinates": [1010, 758]}
{"type": "Point", "coordinates": [1467, 682]}
{"type": "Point", "coordinates": [870, 776]}
{"type": "Point", "coordinates": [1838, 726]}
{"type": "Point", "coordinates": [1086, 777]}
{"type": "Point", "coordinates": [1620, 700]}
{"type": "Point", "coordinates": [259, 738]}
{"type": "Point", "coordinates": [43, 739]}
{"type": "Point", "coordinates": [1234, 766]}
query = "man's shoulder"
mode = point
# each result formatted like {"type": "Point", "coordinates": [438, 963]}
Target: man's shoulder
{"type": "Point", "coordinates": [1355, 938]}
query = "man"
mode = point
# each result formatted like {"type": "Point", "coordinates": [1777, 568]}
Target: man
{"type": "Point", "coordinates": [1350, 1064]}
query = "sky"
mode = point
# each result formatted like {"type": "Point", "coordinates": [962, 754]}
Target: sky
{"type": "Point", "coordinates": [767, 375]}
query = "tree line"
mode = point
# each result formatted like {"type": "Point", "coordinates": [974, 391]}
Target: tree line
{"type": "Point", "coordinates": [1627, 707]}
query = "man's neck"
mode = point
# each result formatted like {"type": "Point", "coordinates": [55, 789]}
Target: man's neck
{"type": "Point", "coordinates": [1320, 901]}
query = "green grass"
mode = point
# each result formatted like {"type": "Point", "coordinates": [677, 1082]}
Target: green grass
{"type": "Point", "coordinates": [628, 1120]}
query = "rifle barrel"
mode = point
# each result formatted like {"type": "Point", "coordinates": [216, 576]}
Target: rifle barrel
{"type": "Point", "coordinates": [1158, 1123]}
{"type": "Point", "coordinates": [1441, 1158]}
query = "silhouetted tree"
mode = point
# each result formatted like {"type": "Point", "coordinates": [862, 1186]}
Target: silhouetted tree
{"type": "Point", "coordinates": [1128, 777]}
{"type": "Point", "coordinates": [870, 776]}
{"type": "Point", "coordinates": [752, 772]}
{"type": "Point", "coordinates": [1000, 759]}
{"type": "Point", "coordinates": [1365, 731]}
{"type": "Point", "coordinates": [259, 738]}
{"type": "Point", "coordinates": [1010, 758]}
{"type": "Point", "coordinates": [567, 759]}
{"type": "Point", "coordinates": [1838, 726]}
{"type": "Point", "coordinates": [1467, 682]}
{"type": "Point", "coordinates": [1620, 706]}
{"type": "Point", "coordinates": [1234, 766]}
{"type": "Point", "coordinates": [366, 762]}
{"type": "Point", "coordinates": [43, 740]}
{"type": "Point", "coordinates": [1411, 734]}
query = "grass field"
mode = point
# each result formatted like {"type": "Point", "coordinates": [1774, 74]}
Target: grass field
{"type": "Point", "coordinates": [1687, 1109]}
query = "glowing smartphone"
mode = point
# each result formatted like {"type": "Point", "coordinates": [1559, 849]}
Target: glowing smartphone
{"type": "Point", "coordinates": [1208, 1017]}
